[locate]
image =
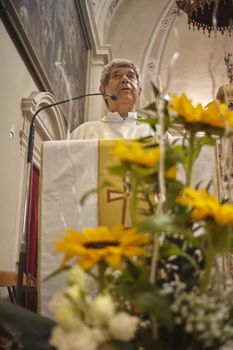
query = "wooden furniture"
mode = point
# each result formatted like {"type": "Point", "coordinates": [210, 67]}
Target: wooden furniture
{"type": "Point", "coordinates": [8, 279]}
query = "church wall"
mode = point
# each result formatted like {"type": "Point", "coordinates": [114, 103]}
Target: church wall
{"type": "Point", "coordinates": [16, 82]}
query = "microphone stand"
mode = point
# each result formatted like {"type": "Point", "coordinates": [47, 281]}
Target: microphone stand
{"type": "Point", "coordinates": [23, 254]}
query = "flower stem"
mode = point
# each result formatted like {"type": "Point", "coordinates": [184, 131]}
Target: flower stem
{"type": "Point", "coordinates": [190, 158]}
{"type": "Point", "coordinates": [162, 193]}
{"type": "Point", "coordinates": [101, 278]}
{"type": "Point", "coordinates": [133, 200]}
{"type": "Point", "coordinates": [208, 266]}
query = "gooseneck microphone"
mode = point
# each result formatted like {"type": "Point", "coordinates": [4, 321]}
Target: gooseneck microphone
{"type": "Point", "coordinates": [31, 136]}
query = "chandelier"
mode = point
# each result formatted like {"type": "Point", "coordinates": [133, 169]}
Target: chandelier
{"type": "Point", "coordinates": [209, 15]}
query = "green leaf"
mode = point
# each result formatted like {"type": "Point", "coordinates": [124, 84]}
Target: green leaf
{"type": "Point", "coordinates": [173, 250]}
{"type": "Point", "coordinates": [148, 298]}
{"type": "Point", "coordinates": [118, 170]}
{"type": "Point", "coordinates": [134, 270]}
{"type": "Point", "coordinates": [152, 121]}
{"type": "Point", "coordinates": [165, 223]}
{"type": "Point", "coordinates": [220, 238]}
{"type": "Point", "coordinates": [31, 329]}
{"type": "Point", "coordinates": [155, 305]}
{"type": "Point", "coordinates": [174, 188]}
{"type": "Point", "coordinates": [151, 107]}
{"type": "Point", "coordinates": [87, 194]}
{"type": "Point", "coordinates": [205, 140]}
{"type": "Point", "coordinates": [177, 153]}
{"type": "Point", "coordinates": [155, 90]}
{"type": "Point", "coordinates": [118, 345]}
{"type": "Point", "coordinates": [200, 142]}
{"type": "Point", "coordinates": [149, 342]}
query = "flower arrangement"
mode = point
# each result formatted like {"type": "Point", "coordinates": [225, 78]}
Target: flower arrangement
{"type": "Point", "coordinates": [160, 283]}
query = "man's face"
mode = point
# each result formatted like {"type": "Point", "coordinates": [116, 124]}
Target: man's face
{"type": "Point", "coordinates": [123, 84]}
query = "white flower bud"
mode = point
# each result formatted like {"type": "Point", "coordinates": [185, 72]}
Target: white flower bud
{"type": "Point", "coordinates": [122, 326]}
{"type": "Point", "coordinates": [84, 338]}
{"type": "Point", "coordinates": [74, 294]}
{"type": "Point", "coordinates": [68, 319]}
{"type": "Point", "coordinates": [101, 310]}
{"type": "Point", "coordinates": [77, 276]}
{"type": "Point", "coordinates": [58, 301]}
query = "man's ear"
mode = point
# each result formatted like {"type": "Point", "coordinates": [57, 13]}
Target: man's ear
{"type": "Point", "coordinates": [102, 91]}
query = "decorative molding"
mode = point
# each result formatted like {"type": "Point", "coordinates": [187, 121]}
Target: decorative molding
{"type": "Point", "coordinates": [102, 13]}
{"type": "Point", "coordinates": [100, 50]}
{"type": "Point", "coordinates": [152, 61]}
{"type": "Point", "coordinates": [50, 123]}
{"type": "Point", "coordinates": [112, 8]}
{"type": "Point", "coordinates": [92, 3]}
{"type": "Point", "coordinates": [151, 67]}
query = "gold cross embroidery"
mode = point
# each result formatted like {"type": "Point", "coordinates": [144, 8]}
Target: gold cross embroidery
{"type": "Point", "coordinates": [115, 195]}
{"type": "Point", "coordinates": [124, 195]}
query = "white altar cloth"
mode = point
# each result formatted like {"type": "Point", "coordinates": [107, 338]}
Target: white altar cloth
{"type": "Point", "coordinates": [68, 171]}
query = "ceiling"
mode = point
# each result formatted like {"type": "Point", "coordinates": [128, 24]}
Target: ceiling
{"type": "Point", "coordinates": [156, 36]}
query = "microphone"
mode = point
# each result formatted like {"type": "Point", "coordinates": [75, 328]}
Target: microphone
{"type": "Point", "coordinates": [32, 125]}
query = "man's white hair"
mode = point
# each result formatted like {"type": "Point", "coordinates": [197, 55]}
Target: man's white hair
{"type": "Point", "coordinates": [119, 62]}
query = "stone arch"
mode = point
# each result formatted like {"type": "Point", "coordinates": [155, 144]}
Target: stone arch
{"type": "Point", "coordinates": [50, 123]}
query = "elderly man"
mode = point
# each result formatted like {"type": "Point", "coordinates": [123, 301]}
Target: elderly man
{"type": "Point", "coordinates": [120, 78]}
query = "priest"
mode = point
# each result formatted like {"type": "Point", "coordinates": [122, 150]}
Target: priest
{"type": "Point", "coordinates": [121, 78]}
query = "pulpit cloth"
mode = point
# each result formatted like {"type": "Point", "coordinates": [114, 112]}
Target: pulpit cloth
{"type": "Point", "coordinates": [69, 170]}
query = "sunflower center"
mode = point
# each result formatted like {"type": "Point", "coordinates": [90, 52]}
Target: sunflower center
{"type": "Point", "coordinates": [101, 244]}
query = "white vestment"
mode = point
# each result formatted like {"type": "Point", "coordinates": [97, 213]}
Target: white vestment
{"type": "Point", "coordinates": [113, 126]}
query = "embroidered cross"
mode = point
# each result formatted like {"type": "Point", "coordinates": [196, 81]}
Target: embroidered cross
{"type": "Point", "coordinates": [124, 195]}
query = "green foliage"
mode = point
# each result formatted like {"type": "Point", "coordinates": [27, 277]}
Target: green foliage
{"type": "Point", "coordinates": [166, 224]}
{"type": "Point", "coordinates": [135, 287]}
{"type": "Point", "coordinates": [31, 329]}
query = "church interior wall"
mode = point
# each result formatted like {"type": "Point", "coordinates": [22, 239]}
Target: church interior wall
{"type": "Point", "coordinates": [125, 28]}
{"type": "Point", "coordinates": [150, 33]}
{"type": "Point", "coordinates": [20, 96]}
{"type": "Point", "coordinates": [199, 69]}
{"type": "Point", "coordinates": [16, 82]}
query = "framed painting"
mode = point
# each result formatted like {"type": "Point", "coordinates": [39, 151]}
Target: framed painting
{"type": "Point", "coordinates": [53, 40]}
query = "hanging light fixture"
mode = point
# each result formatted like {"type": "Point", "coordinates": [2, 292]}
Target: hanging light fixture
{"type": "Point", "coordinates": [209, 15]}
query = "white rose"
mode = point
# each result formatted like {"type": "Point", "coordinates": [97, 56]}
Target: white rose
{"type": "Point", "coordinates": [85, 338]}
{"type": "Point", "coordinates": [77, 276]}
{"type": "Point", "coordinates": [122, 326]}
{"type": "Point", "coordinates": [101, 310]}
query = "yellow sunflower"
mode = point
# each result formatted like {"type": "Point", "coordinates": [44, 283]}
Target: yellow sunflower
{"type": "Point", "coordinates": [94, 245]}
{"type": "Point", "coordinates": [206, 205]}
{"type": "Point", "coordinates": [215, 114]}
{"type": "Point", "coordinates": [136, 153]}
